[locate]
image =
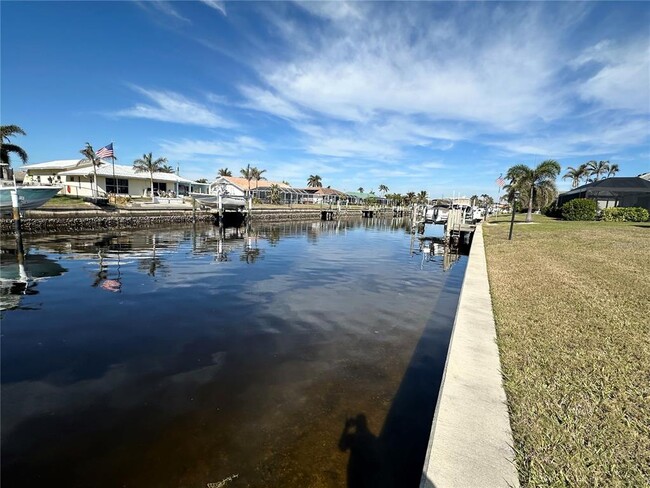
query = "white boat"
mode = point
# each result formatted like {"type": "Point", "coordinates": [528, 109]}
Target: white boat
{"type": "Point", "coordinates": [29, 197]}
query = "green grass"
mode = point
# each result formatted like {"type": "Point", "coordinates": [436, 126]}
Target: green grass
{"type": "Point", "coordinates": [571, 303]}
{"type": "Point", "coordinates": [64, 201]}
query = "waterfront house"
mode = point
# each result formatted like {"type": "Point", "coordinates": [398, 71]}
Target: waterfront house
{"type": "Point", "coordinates": [260, 189]}
{"type": "Point", "coordinates": [612, 192]}
{"type": "Point", "coordinates": [78, 179]}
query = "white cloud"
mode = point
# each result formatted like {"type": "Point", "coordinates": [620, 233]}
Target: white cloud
{"type": "Point", "coordinates": [623, 78]}
{"type": "Point", "coordinates": [265, 101]}
{"type": "Point", "coordinates": [165, 8]}
{"type": "Point", "coordinates": [217, 5]}
{"type": "Point", "coordinates": [196, 149]}
{"type": "Point", "coordinates": [172, 107]}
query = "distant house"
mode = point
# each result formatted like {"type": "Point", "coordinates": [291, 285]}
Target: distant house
{"type": "Point", "coordinates": [359, 198]}
{"type": "Point", "coordinates": [260, 189]}
{"type": "Point", "coordinates": [77, 179]}
{"type": "Point", "coordinates": [613, 192]}
{"type": "Point", "coordinates": [325, 195]}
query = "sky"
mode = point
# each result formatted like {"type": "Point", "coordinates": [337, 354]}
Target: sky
{"type": "Point", "coordinates": [442, 97]}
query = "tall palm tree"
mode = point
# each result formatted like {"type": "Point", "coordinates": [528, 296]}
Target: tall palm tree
{"type": "Point", "coordinates": [7, 131]}
{"type": "Point", "coordinates": [410, 197]}
{"type": "Point", "coordinates": [225, 172]}
{"type": "Point", "coordinates": [528, 180]}
{"type": "Point", "coordinates": [597, 168]}
{"type": "Point", "coordinates": [613, 169]}
{"type": "Point", "coordinates": [147, 164]}
{"type": "Point", "coordinates": [314, 181]}
{"type": "Point", "coordinates": [90, 157]}
{"type": "Point", "coordinates": [576, 174]}
{"type": "Point", "coordinates": [247, 173]}
{"type": "Point", "coordinates": [257, 175]}
{"type": "Point", "coordinates": [360, 189]}
{"type": "Point", "coordinates": [383, 189]}
{"type": "Point", "coordinates": [422, 197]}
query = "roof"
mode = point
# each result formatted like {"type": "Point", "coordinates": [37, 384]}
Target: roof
{"type": "Point", "coordinates": [361, 195]}
{"type": "Point", "coordinates": [625, 184]}
{"type": "Point", "coordinates": [57, 164]}
{"type": "Point", "coordinates": [645, 176]}
{"type": "Point", "coordinates": [242, 183]}
{"type": "Point", "coordinates": [126, 172]}
{"type": "Point", "coordinates": [329, 191]}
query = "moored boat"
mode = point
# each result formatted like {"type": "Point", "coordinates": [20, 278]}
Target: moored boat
{"type": "Point", "coordinates": [29, 197]}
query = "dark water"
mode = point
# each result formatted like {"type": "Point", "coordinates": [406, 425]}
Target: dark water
{"type": "Point", "coordinates": [296, 355]}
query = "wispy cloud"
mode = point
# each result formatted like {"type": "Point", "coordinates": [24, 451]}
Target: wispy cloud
{"type": "Point", "coordinates": [204, 149]}
{"type": "Point", "coordinates": [173, 107]}
{"type": "Point", "coordinates": [163, 7]}
{"type": "Point", "coordinates": [216, 5]}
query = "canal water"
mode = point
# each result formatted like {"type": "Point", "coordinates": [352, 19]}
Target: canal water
{"type": "Point", "coordinates": [289, 355]}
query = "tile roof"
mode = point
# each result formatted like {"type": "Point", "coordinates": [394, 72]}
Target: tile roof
{"type": "Point", "coordinates": [242, 183]}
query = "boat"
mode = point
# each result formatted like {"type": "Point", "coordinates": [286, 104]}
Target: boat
{"type": "Point", "coordinates": [29, 197]}
{"type": "Point", "coordinates": [438, 213]}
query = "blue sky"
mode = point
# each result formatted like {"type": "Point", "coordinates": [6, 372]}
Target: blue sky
{"type": "Point", "coordinates": [429, 96]}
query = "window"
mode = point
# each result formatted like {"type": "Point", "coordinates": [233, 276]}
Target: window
{"type": "Point", "coordinates": [159, 186]}
{"type": "Point", "coordinates": [121, 189]}
{"type": "Point", "coordinates": [69, 178]}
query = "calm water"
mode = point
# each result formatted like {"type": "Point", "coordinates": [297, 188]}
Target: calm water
{"type": "Point", "coordinates": [296, 355]}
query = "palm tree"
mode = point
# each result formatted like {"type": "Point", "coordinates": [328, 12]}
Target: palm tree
{"type": "Point", "coordinates": [90, 157]}
{"type": "Point", "coordinates": [613, 169]}
{"type": "Point", "coordinates": [314, 181]}
{"type": "Point", "coordinates": [538, 180]}
{"type": "Point", "coordinates": [148, 164]}
{"type": "Point", "coordinates": [257, 175]}
{"type": "Point", "coordinates": [360, 189]}
{"type": "Point", "coordinates": [247, 173]}
{"type": "Point", "coordinates": [597, 168]}
{"type": "Point", "coordinates": [7, 131]}
{"type": "Point", "coordinates": [410, 197]}
{"type": "Point", "coordinates": [225, 172]}
{"type": "Point", "coordinates": [167, 169]}
{"type": "Point", "coordinates": [575, 174]}
{"type": "Point", "coordinates": [422, 197]}
{"type": "Point", "coordinates": [383, 189]}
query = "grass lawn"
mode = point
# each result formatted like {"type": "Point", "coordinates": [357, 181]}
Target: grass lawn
{"type": "Point", "coordinates": [65, 201]}
{"type": "Point", "coordinates": [572, 309]}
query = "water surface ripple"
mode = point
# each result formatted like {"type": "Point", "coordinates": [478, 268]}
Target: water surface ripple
{"type": "Point", "coordinates": [290, 355]}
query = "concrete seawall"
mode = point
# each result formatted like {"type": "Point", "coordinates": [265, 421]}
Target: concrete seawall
{"type": "Point", "coordinates": [70, 219]}
{"type": "Point", "coordinates": [471, 441]}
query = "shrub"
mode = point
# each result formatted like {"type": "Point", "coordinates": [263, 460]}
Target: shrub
{"type": "Point", "coordinates": [579, 209]}
{"type": "Point", "coordinates": [625, 214]}
{"type": "Point", "coordinates": [552, 210]}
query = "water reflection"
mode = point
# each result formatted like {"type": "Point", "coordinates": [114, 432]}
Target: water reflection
{"type": "Point", "coordinates": [223, 352]}
{"type": "Point", "coordinates": [19, 277]}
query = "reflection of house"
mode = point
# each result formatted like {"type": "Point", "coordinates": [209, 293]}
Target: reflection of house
{"type": "Point", "coordinates": [77, 179]}
{"type": "Point", "coordinates": [613, 192]}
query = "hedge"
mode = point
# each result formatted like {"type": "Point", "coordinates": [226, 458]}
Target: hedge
{"type": "Point", "coordinates": [579, 209]}
{"type": "Point", "coordinates": [626, 214]}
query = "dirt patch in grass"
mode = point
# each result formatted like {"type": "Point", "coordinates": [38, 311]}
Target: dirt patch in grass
{"type": "Point", "coordinates": [573, 325]}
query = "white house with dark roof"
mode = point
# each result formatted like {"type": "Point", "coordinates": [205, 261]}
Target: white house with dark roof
{"type": "Point", "coordinates": [78, 179]}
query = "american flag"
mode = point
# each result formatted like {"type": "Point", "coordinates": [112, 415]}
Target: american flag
{"type": "Point", "coordinates": [501, 181]}
{"type": "Point", "coordinates": [105, 152]}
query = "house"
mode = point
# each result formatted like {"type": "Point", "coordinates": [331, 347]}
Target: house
{"type": "Point", "coordinates": [78, 179]}
{"type": "Point", "coordinates": [324, 195]}
{"type": "Point", "coordinates": [260, 189]}
{"type": "Point", "coordinates": [612, 192]}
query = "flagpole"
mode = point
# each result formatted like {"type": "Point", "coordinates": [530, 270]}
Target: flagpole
{"type": "Point", "coordinates": [114, 180]}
